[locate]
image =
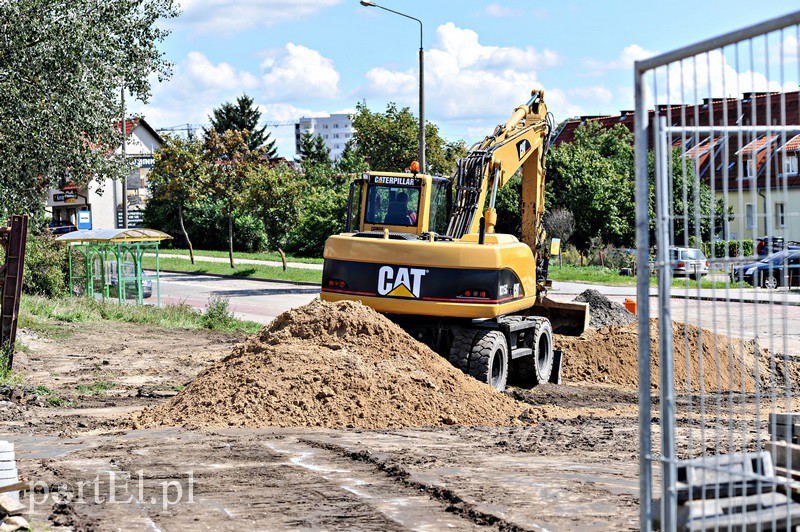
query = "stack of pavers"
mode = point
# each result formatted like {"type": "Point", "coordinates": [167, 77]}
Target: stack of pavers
{"type": "Point", "coordinates": [738, 491]}
{"type": "Point", "coordinates": [11, 509]}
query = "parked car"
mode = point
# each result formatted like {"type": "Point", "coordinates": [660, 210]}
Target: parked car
{"type": "Point", "coordinates": [767, 245]}
{"type": "Point", "coordinates": [769, 271]}
{"type": "Point", "coordinates": [61, 227]}
{"type": "Point", "coordinates": [689, 262]}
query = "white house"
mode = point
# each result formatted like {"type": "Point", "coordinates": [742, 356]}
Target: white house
{"type": "Point", "coordinates": [99, 206]}
{"type": "Point", "coordinates": [336, 130]}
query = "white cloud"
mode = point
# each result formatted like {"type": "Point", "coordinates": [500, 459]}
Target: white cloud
{"type": "Point", "coordinates": [712, 76]}
{"type": "Point", "coordinates": [627, 57]}
{"type": "Point", "coordinates": [228, 16]}
{"type": "Point", "coordinates": [223, 76]}
{"type": "Point", "coordinates": [465, 79]}
{"type": "Point", "coordinates": [196, 87]}
{"type": "Point", "coordinates": [496, 10]}
{"type": "Point", "coordinates": [595, 93]}
{"type": "Point", "coordinates": [284, 112]}
{"type": "Point", "coordinates": [296, 72]}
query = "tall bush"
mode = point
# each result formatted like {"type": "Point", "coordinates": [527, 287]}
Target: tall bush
{"type": "Point", "coordinates": [45, 266]}
{"type": "Point", "coordinates": [324, 214]}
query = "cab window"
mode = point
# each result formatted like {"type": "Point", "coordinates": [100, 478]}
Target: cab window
{"type": "Point", "coordinates": [392, 205]}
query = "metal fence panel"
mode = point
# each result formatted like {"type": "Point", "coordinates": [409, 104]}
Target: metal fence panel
{"type": "Point", "coordinates": [717, 143]}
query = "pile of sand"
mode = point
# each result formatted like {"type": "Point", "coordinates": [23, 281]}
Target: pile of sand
{"type": "Point", "coordinates": [333, 365]}
{"type": "Point", "coordinates": [609, 355]}
{"type": "Point", "coordinates": [602, 311]}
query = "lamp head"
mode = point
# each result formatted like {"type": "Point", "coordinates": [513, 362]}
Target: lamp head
{"type": "Point", "coordinates": [368, 3]}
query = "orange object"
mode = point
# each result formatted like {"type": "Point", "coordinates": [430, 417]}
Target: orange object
{"type": "Point", "coordinates": [415, 167]}
{"type": "Point", "coordinates": [630, 305]}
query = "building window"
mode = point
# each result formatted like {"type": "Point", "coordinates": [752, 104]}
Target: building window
{"type": "Point", "coordinates": [780, 215]}
{"type": "Point", "coordinates": [751, 168]}
{"type": "Point", "coordinates": [336, 136]}
{"type": "Point", "coordinates": [790, 165]}
{"type": "Point", "coordinates": [749, 216]}
{"type": "Point", "coordinates": [336, 147]}
{"type": "Point", "coordinates": [336, 126]}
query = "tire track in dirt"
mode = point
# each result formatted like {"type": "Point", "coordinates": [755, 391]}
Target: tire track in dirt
{"type": "Point", "coordinates": [455, 503]}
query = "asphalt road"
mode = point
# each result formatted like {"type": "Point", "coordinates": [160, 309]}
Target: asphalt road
{"type": "Point", "coordinates": [259, 301]}
{"type": "Point", "coordinates": [775, 326]}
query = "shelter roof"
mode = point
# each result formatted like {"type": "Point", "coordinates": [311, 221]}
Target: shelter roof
{"type": "Point", "coordinates": [112, 236]}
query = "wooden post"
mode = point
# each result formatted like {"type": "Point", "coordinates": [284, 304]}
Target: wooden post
{"type": "Point", "coordinates": [14, 240]}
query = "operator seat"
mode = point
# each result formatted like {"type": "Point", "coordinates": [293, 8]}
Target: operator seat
{"type": "Point", "coordinates": [397, 214]}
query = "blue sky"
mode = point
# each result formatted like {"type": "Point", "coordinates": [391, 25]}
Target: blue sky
{"type": "Point", "coordinates": [314, 57]}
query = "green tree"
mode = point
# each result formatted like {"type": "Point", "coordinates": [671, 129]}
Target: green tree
{"type": "Point", "coordinates": [61, 68]}
{"type": "Point", "coordinates": [593, 178]}
{"type": "Point", "coordinates": [389, 141]}
{"type": "Point", "coordinates": [313, 151]}
{"type": "Point", "coordinates": [243, 116]}
{"type": "Point", "coordinates": [230, 163]}
{"type": "Point", "coordinates": [351, 162]}
{"type": "Point", "coordinates": [275, 195]}
{"type": "Point", "coordinates": [324, 211]}
{"type": "Point", "coordinates": [177, 177]}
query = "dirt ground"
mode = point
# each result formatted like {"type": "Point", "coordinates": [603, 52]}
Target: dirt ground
{"type": "Point", "coordinates": [575, 467]}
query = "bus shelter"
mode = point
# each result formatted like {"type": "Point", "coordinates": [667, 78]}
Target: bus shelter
{"type": "Point", "coordinates": [109, 263]}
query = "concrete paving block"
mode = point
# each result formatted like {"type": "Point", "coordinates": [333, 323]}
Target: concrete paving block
{"type": "Point", "coordinates": [9, 506]}
{"type": "Point", "coordinates": [724, 475]}
{"type": "Point", "coordinates": [749, 512]}
{"type": "Point", "coordinates": [11, 524]}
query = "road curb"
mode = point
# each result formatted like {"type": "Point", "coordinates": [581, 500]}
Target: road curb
{"type": "Point", "coordinates": [737, 300]}
{"type": "Point", "coordinates": [241, 278]}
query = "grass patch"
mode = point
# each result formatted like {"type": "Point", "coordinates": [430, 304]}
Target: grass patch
{"type": "Point", "coordinates": [44, 315]}
{"type": "Point", "coordinates": [609, 277]}
{"type": "Point", "coordinates": [252, 271]}
{"type": "Point", "coordinates": [263, 255]}
{"type": "Point", "coordinates": [50, 396]}
{"type": "Point", "coordinates": [98, 387]}
{"type": "Point", "coordinates": [589, 274]}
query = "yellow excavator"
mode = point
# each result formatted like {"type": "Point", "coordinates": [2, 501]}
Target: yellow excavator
{"type": "Point", "coordinates": [436, 267]}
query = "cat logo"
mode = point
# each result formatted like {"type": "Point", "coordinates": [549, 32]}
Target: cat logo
{"type": "Point", "coordinates": [523, 147]}
{"type": "Point", "coordinates": [405, 282]}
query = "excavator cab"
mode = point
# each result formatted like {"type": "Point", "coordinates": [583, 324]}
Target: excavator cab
{"type": "Point", "coordinates": [413, 204]}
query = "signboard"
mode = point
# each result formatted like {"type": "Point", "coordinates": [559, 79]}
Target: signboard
{"type": "Point", "coordinates": [135, 218]}
{"type": "Point", "coordinates": [555, 246]}
{"type": "Point", "coordinates": [69, 196]}
{"type": "Point", "coordinates": [84, 219]}
{"type": "Point", "coordinates": [142, 162]}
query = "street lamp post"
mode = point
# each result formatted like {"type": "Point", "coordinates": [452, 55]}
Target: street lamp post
{"type": "Point", "coordinates": [370, 3]}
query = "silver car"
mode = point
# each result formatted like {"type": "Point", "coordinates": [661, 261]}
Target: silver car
{"type": "Point", "coordinates": [688, 262]}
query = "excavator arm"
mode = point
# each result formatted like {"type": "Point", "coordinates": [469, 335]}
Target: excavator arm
{"type": "Point", "coordinates": [521, 142]}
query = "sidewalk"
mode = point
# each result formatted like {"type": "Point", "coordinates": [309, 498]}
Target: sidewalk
{"type": "Point", "coordinates": [204, 258]}
{"type": "Point", "coordinates": [746, 295]}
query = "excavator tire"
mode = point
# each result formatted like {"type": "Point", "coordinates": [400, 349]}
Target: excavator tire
{"type": "Point", "coordinates": [488, 359]}
{"type": "Point", "coordinates": [542, 338]}
{"type": "Point", "coordinates": [460, 348]}
{"type": "Point", "coordinates": [529, 371]}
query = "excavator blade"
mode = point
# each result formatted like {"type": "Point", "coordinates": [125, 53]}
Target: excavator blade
{"type": "Point", "coordinates": [569, 318]}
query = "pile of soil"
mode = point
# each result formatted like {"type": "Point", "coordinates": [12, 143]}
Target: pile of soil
{"type": "Point", "coordinates": [602, 311]}
{"type": "Point", "coordinates": [333, 365]}
{"type": "Point", "coordinates": [609, 355]}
